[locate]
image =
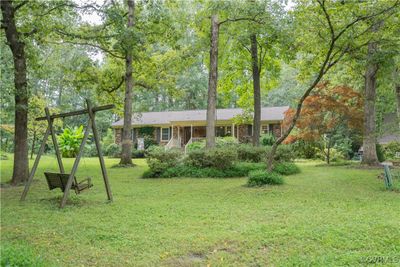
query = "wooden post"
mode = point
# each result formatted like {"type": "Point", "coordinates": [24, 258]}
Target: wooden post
{"type": "Point", "coordinates": [34, 167]}
{"type": "Point", "coordinates": [99, 152]}
{"type": "Point", "coordinates": [54, 138]}
{"type": "Point", "coordinates": [75, 166]}
{"type": "Point", "coordinates": [179, 137]}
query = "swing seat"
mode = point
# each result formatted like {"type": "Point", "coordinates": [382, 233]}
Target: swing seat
{"type": "Point", "coordinates": [60, 180]}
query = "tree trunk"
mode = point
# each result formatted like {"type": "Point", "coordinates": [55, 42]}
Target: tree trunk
{"type": "Point", "coordinates": [126, 153]}
{"type": "Point", "coordinates": [257, 91]}
{"type": "Point", "coordinates": [33, 144]}
{"type": "Point", "coordinates": [59, 98]}
{"type": "Point", "coordinates": [369, 141]}
{"type": "Point", "coordinates": [212, 83]}
{"type": "Point", "coordinates": [397, 89]}
{"type": "Point", "coordinates": [21, 165]}
{"type": "Point", "coordinates": [328, 152]}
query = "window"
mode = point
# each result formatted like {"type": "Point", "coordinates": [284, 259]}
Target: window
{"type": "Point", "coordinates": [165, 136]}
{"type": "Point", "coordinates": [264, 129]}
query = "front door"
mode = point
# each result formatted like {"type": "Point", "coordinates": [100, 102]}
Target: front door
{"type": "Point", "coordinates": [186, 135]}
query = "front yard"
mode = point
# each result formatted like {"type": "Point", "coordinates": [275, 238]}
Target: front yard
{"type": "Point", "coordinates": [323, 216]}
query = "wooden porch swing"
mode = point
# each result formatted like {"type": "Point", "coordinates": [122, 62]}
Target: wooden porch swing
{"type": "Point", "coordinates": [67, 181]}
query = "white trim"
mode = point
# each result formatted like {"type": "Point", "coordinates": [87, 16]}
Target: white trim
{"type": "Point", "coordinates": [169, 134]}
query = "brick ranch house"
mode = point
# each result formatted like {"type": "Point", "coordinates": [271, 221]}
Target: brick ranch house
{"type": "Point", "coordinates": [179, 128]}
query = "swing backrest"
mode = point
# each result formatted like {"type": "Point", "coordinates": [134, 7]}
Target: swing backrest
{"type": "Point", "coordinates": [58, 180]}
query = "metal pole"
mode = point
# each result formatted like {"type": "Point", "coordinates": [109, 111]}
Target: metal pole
{"type": "Point", "coordinates": [34, 167]}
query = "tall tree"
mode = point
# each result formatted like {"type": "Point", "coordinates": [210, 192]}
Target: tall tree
{"type": "Point", "coordinates": [338, 33]}
{"type": "Point", "coordinates": [328, 113]}
{"type": "Point", "coordinates": [212, 83]}
{"type": "Point", "coordinates": [257, 90]}
{"type": "Point", "coordinates": [369, 142]}
{"type": "Point", "coordinates": [17, 46]}
{"type": "Point", "coordinates": [231, 12]}
{"type": "Point", "coordinates": [126, 154]}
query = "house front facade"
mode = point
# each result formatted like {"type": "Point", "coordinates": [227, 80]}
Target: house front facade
{"type": "Point", "coordinates": [179, 128]}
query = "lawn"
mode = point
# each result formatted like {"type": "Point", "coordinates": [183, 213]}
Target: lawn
{"type": "Point", "coordinates": [324, 216]}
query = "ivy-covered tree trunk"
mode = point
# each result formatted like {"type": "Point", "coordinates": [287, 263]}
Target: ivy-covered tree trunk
{"type": "Point", "coordinates": [212, 83]}
{"type": "Point", "coordinates": [21, 165]}
{"type": "Point", "coordinates": [257, 91]}
{"type": "Point", "coordinates": [369, 140]}
{"type": "Point", "coordinates": [126, 153]}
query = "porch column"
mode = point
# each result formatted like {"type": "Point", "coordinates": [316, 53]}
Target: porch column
{"type": "Point", "coordinates": [172, 132]}
{"type": "Point", "coordinates": [191, 131]}
{"type": "Point", "coordinates": [179, 130]}
{"type": "Point", "coordinates": [233, 130]}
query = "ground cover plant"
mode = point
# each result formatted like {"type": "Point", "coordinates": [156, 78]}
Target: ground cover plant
{"type": "Point", "coordinates": [336, 216]}
{"type": "Point", "coordinates": [263, 177]}
{"type": "Point", "coordinates": [286, 168]}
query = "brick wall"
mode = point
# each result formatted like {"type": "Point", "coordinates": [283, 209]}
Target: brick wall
{"type": "Point", "coordinates": [118, 135]}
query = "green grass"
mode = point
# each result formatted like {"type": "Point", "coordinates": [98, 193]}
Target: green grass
{"type": "Point", "coordinates": [321, 217]}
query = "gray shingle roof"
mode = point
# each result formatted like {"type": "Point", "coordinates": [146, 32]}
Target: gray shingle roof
{"type": "Point", "coordinates": [169, 117]}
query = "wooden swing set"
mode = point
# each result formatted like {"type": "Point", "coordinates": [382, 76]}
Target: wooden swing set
{"type": "Point", "coordinates": [62, 180]}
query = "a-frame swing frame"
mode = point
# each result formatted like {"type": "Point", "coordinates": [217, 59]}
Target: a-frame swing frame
{"type": "Point", "coordinates": [91, 111]}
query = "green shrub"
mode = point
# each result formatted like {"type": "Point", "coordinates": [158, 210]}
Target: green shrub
{"type": "Point", "coordinates": [137, 154]}
{"type": "Point", "coordinates": [391, 149]}
{"type": "Point", "coordinates": [286, 168]}
{"type": "Point", "coordinates": [90, 150]}
{"type": "Point", "coordinates": [160, 159]}
{"type": "Point", "coordinates": [149, 141]}
{"type": "Point", "coordinates": [195, 172]}
{"type": "Point", "coordinates": [196, 145]}
{"type": "Point", "coordinates": [198, 158]}
{"type": "Point", "coordinates": [305, 149]}
{"type": "Point", "coordinates": [247, 152]}
{"type": "Point", "coordinates": [284, 153]}
{"type": "Point", "coordinates": [220, 142]}
{"type": "Point", "coordinates": [262, 177]}
{"type": "Point", "coordinates": [221, 158]}
{"type": "Point", "coordinates": [267, 139]}
{"type": "Point", "coordinates": [70, 141]}
{"type": "Point", "coordinates": [334, 155]}
{"type": "Point", "coordinates": [379, 153]}
{"type": "Point", "coordinates": [113, 151]}
{"type": "Point", "coordinates": [149, 174]}
{"type": "Point", "coordinates": [239, 169]}
{"type": "Point", "coordinates": [223, 142]}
